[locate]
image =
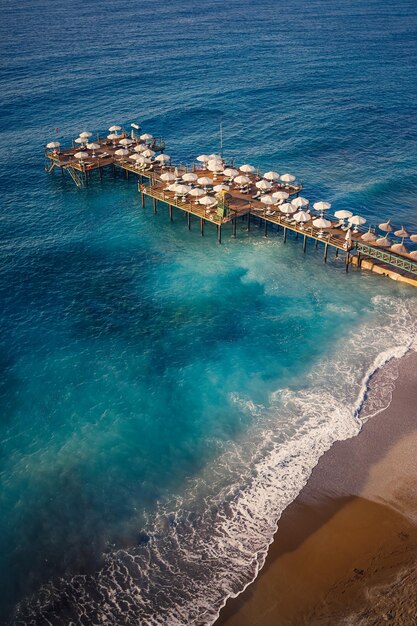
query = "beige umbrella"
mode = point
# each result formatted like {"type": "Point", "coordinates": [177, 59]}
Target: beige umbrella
{"type": "Point", "coordinates": [413, 238]}
{"type": "Point", "coordinates": [287, 208]}
{"type": "Point", "coordinates": [263, 185]}
{"type": "Point", "coordinates": [196, 192]}
{"type": "Point", "coordinates": [136, 157]}
{"type": "Point", "coordinates": [203, 158]}
{"type": "Point", "coordinates": [189, 177]}
{"type": "Point", "coordinates": [241, 180]}
{"type": "Point", "coordinates": [414, 254]}
{"type": "Point", "coordinates": [230, 172]}
{"type": "Point", "coordinates": [287, 178]}
{"type": "Point", "coordinates": [271, 175]}
{"type": "Point", "coordinates": [268, 200]}
{"type": "Point", "coordinates": [114, 129]}
{"type": "Point", "coordinates": [207, 201]}
{"type": "Point", "coordinates": [402, 233]}
{"type": "Point", "coordinates": [343, 214]}
{"type": "Point", "coordinates": [321, 223]}
{"type": "Point", "coordinates": [302, 217]}
{"type": "Point", "coordinates": [140, 148]}
{"type": "Point", "coordinates": [93, 147]}
{"type": "Point", "coordinates": [281, 195]}
{"type": "Point", "coordinates": [247, 169]}
{"type": "Point", "coordinates": [85, 135]}
{"type": "Point", "coordinates": [146, 137]}
{"type": "Point", "coordinates": [384, 242]}
{"type": "Point", "coordinates": [163, 159]}
{"type": "Point", "coordinates": [356, 220]}
{"type": "Point", "coordinates": [400, 248]}
{"type": "Point", "coordinates": [386, 227]}
{"type": "Point", "coordinates": [215, 166]}
{"type": "Point", "coordinates": [221, 187]}
{"type": "Point", "coordinates": [82, 140]}
{"type": "Point", "coordinates": [121, 152]}
{"type": "Point", "coordinates": [53, 144]}
{"type": "Point", "coordinates": [125, 141]}
{"type": "Point", "coordinates": [148, 153]}
{"type": "Point", "coordinates": [204, 181]}
{"type": "Point", "coordinates": [322, 206]}
{"type": "Point", "coordinates": [300, 202]}
{"type": "Point", "coordinates": [81, 155]}
{"type": "Point", "coordinates": [369, 237]}
{"type": "Point", "coordinates": [167, 177]}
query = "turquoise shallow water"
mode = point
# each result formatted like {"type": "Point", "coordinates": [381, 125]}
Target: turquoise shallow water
{"type": "Point", "coordinates": [164, 398]}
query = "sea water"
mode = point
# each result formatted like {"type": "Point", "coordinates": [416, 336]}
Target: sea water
{"type": "Point", "coordinates": [164, 398]}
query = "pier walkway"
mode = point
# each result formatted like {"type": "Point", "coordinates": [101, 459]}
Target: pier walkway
{"type": "Point", "coordinates": [227, 207]}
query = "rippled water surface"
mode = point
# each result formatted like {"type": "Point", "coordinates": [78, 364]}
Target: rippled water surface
{"type": "Point", "coordinates": [163, 398]}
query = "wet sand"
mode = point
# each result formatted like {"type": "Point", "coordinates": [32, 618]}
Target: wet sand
{"type": "Point", "coordinates": [346, 549]}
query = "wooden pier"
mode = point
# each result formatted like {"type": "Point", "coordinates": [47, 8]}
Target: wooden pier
{"type": "Point", "coordinates": [238, 203]}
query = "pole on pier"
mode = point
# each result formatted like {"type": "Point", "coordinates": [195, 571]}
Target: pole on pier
{"type": "Point", "coordinates": [266, 228]}
{"type": "Point", "coordinates": [202, 220]}
{"type": "Point", "coordinates": [326, 247]}
{"type": "Point", "coordinates": [219, 233]}
{"type": "Point", "coordinates": [296, 234]}
{"type": "Point", "coordinates": [234, 226]}
{"type": "Point", "coordinates": [189, 220]}
{"type": "Point", "coordinates": [304, 243]}
{"type": "Point", "coordinates": [154, 204]}
{"type": "Point", "coordinates": [170, 212]}
{"type": "Point", "coordinates": [347, 260]}
{"type": "Point", "coordinates": [127, 174]}
{"type": "Point", "coordinates": [317, 244]}
{"type": "Point", "coordinates": [285, 234]}
{"type": "Point", "coordinates": [142, 197]}
{"type": "Point", "coordinates": [336, 253]}
{"type": "Point", "coordinates": [359, 260]}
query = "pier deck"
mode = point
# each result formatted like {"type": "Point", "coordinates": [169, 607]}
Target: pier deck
{"type": "Point", "coordinates": [239, 202]}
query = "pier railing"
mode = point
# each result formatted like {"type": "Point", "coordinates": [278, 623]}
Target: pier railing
{"type": "Point", "coordinates": [387, 257]}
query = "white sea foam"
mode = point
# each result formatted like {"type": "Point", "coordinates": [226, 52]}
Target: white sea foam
{"type": "Point", "coordinates": [210, 543]}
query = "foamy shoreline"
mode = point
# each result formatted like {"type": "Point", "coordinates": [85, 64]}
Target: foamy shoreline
{"type": "Point", "coordinates": [343, 473]}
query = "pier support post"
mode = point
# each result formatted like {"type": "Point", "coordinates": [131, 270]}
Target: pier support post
{"type": "Point", "coordinates": [296, 234]}
{"type": "Point", "coordinates": [127, 174]}
{"type": "Point", "coordinates": [202, 220]}
{"type": "Point", "coordinates": [336, 253]}
{"type": "Point", "coordinates": [347, 261]}
{"type": "Point", "coordinates": [285, 234]}
{"type": "Point", "coordinates": [359, 260]}
{"type": "Point", "coordinates": [219, 233]}
{"type": "Point", "coordinates": [142, 197]}
{"type": "Point", "coordinates": [326, 247]}
{"type": "Point", "coordinates": [266, 229]}
{"type": "Point", "coordinates": [304, 243]}
{"type": "Point", "coordinates": [154, 204]}
{"type": "Point", "coordinates": [170, 212]}
{"type": "Point", "coordinates": [234, 227]}
{"type": "Point", "coordinates": [189, 220]}
{"type": "Point", "coordinates": [317, 244]}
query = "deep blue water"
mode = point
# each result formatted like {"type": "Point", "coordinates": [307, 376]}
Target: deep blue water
{"type": "Point", "coordinates": [163, 398]}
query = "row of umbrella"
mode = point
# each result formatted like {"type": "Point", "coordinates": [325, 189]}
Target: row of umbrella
{"type": "Point", "coordinates": [215, 163]}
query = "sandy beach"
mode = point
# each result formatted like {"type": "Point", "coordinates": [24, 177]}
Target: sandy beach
{"type": "Point", "coordinates": [346, 549]}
